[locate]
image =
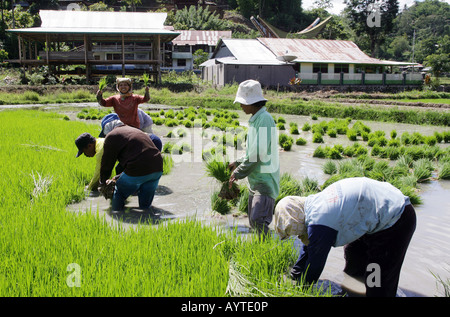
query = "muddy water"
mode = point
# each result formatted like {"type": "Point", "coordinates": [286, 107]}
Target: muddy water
{"type": "Point", "coordinates": [186, 193]}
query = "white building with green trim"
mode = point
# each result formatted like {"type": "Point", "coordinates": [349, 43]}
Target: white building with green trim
{"type": "Point", "coordinates": [276, 61]}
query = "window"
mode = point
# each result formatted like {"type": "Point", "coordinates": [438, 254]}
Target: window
{"type": "Point", "coordinates": [113, 57]}
{"type": "Point", "coordinates": [182, 48]}
{"type": "Point", "coordinates": [181, 62]}
{"type": "Point", "coordinates": [323, 68]}
{"type": "Point", "coordinates": [341, 68]}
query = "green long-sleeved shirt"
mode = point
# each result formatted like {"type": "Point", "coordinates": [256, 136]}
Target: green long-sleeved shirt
{"type": "Point", "coordinates": [261, 164]}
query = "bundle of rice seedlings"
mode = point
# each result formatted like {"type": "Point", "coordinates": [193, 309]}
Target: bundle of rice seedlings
{"type": "Point", "coordinates": [289, 186]}
{"type": "Point", "coordinates": [285, 141]}
{"type": "Point", "coordinates": [102, 84]}
{"type": "Point", "coordinates": [444, 170]}
{"type": "Point", "coordinates": [145, 79]}
{"type": "Point", "coordinates": [167, 164]}
{"type": "Point", "coordinates": [423, 169]}
{"type": "Point", "coordinates": [309, 186]}
{"type": "Point", "coordinates": [218, 204]}
{"type": "Point", "coordinates": [243, 199]}
{"type": "Point", "coordinates": [329, 167]}
{"type": "Point", "coordinates": [217, 167]}
{"type": "Point", "coordinates": [300, 141]}
{"type": "Point", "coordinates": [242, 283]}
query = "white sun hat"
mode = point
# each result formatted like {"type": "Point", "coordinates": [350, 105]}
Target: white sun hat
{"type": "Point", "coordinates": [249, 92]}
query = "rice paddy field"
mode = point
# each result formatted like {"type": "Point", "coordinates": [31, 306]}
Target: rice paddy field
{"type": "Point", "coordinates": [47, 249]}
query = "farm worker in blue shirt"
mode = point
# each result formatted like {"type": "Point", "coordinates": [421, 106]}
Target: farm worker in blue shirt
{"type": "Point", "coordinates": [260, 164]}
{"type": "Point", "coordinates": [373, 220]}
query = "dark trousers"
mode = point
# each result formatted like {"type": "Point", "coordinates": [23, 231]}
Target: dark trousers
{"type": "Point", "coordinates": [387, 249]}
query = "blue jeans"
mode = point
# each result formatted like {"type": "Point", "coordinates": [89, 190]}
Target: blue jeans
{"type": "Point", "coordinates": [128, 185]}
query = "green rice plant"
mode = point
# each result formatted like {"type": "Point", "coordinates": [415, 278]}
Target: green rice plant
{"type": "Point", "coordinates": [293, 128]}
{"type": "Point", "coordinates": [309, 186]}
{"type": "Point", "coordinates": [317, 138]}
{"type": "Point", "coordinates": [102, 84]}
{"type": "Point", "coordinates": [300, 141]}
{"type": "Point", "coordinates": [285, 141]}
{"type": "Point", "coordinates": [332, 133]}
{"type": "Point", "coordinates": [329, 167]}
{"type": "Point", "coordinates": [243, 199]}
{"type": "Point", "coordinates": [218, 204]}
{"type": "Point", "coordinates": [167, 164]}
{"type": "Point", "coordinates": [423, 169]}
{"type": "Point", "coordinates": [393, 134]}
{"type": "Point", "coordinates": [444, 170]}
{"type": "Point", "coordinates": [281, 120]}
{"type": "Point", "coordinates": [145, 79]}
{"type": "Point", "coordinates": [31, 96]}
{"type": "Point", "coordinates": [306, 126]}
{"type": "Point", "coordinates": [416, 138]}
{"type": "Point", "coordinates": [281, 126]}
{"type": "Point", "coordinates": [320, 152]}
{"type": "Point", "coordinates": [217, 167]}
{"type": "Point", "coordinates": [446, 135]}
{"type": "Point", "coordinates": [167, 147]}
{"type": "Point", "coordinates": [289, 186]}
{"type": "Point", "coordinates": [381, 171]}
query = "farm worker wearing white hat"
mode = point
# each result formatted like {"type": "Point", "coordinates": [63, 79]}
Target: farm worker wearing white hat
{"type": "Point", "coordinates": [126, 103]}
{"type": "Point", "coordinates": [260, 164]}
{"type": "Point", "coordinates": [373, 220]}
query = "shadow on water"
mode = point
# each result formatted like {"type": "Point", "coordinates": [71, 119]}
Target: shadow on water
{"type": "Point", "coordinates": [150, 216]}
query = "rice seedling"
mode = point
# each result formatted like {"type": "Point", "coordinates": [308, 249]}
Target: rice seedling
{"type": "Point", "coordinates": [300, 141]}
{"type": "Point", "coordinates": [217, 167]}
{"type": "Point", "coordinates": [145, 79]}
{"type": "Point", "coordinates": [219, 204]}
{"type": "Point", "coordinates": [293, 128]}
{"type": "Point", "coordinates": [285, 141]}
{"type": "Point", "coordinates": [102, 84]}
{"type": "Point", "coordinates": [423, 169]}
{"type": "Point", "coordinates": [317, 138]}
{"type": "Point", "coordinates": [444, 170]}
{"type": "Point", "coordinates": [167, 164]}
{"type": "Point", "coordinates": [329, 167]}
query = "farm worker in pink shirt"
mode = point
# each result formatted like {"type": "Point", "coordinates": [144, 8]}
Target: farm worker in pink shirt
{"type": "Point", "coordinates": [126, 103]}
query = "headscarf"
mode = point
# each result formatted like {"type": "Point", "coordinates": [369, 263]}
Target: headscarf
{"type": "Point", "coordinates": [289, 219]}
{"type": "Point", "coordinates": [124, 80]}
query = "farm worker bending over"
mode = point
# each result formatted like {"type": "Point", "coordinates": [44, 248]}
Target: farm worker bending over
{"type": "Point", "coordinates": [373, 220]}
{"type": "Point", "coordinates": [260, 164]}
{"type": "Point", "coordinates": [126, 103]}
{"type": "Point", "coordinates": [145, 120]}
{"type": "Point", "coordinates": [141, 160]}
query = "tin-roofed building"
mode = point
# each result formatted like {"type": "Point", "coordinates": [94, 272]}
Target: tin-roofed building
{"type": "Point", "coordinates": [105, 42]}
{"type": "Point", "coordinates": [187, 43]}
{"type": "Point", "coordinates": [276, 61]}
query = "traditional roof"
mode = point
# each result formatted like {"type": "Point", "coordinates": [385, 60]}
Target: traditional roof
{"type": "Point", "coordinates": [190, 37]}
{"type": "Point", "coordinates": [99, 25]}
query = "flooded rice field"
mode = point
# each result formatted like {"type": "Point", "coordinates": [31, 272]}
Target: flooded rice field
{"type": "Point", "coordinates": [186, 192]}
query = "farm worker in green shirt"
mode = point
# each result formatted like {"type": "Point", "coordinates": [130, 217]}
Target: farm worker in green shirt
{"type": "Point", "coordinates": [260, 164]}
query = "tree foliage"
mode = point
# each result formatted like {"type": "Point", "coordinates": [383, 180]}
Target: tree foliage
{"type": "Point", "coordinates": [198, 18]}
{"type": "Point", "coordinates": [372, 20]}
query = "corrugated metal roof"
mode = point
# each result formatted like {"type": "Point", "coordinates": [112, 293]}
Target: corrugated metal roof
{"type": "Point", "coordinates": [248, 51]}
{"type": "Point", "coordinates": [316, 51]}
{"type": "Point", "coordinates": [189, 37]}
{"type": "Point", "coordinates": [96, 23]}
{"type": "Point", "coordinates": [102, 19]}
